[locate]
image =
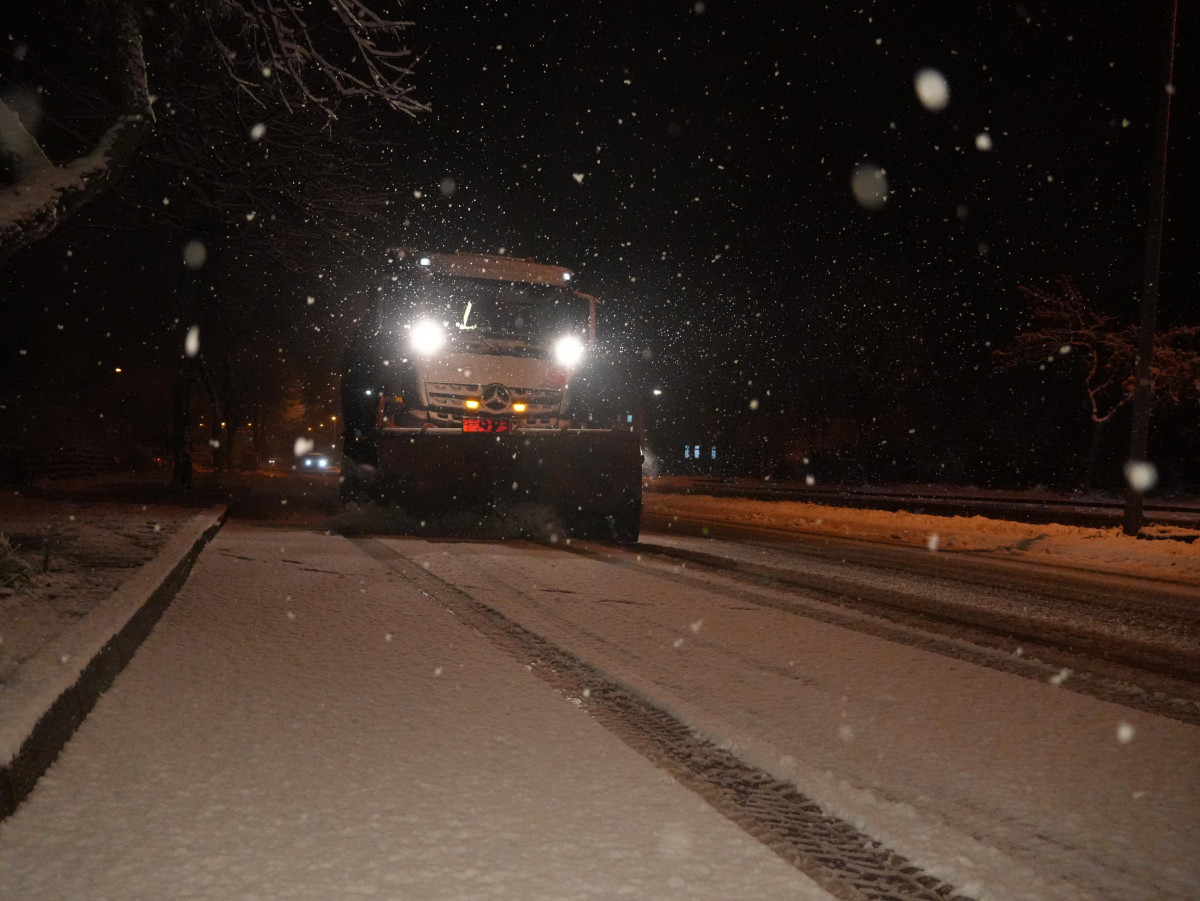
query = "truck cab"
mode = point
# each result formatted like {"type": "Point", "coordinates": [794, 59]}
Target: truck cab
{"type": "Point", "coordinates": [459, 389]}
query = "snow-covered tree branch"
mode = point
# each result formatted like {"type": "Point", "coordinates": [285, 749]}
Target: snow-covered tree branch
{"type": "Point", "coordinates": [41, 192]}
{"type": "Point", "coordinates": [309, 59]}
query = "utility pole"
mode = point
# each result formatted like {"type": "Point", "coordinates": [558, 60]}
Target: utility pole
{"type": "Point", "coordinates": [1142, 397]}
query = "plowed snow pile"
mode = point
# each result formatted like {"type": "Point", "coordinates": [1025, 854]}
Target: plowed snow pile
{"type": "Point", "coordinates": [1075, 547]}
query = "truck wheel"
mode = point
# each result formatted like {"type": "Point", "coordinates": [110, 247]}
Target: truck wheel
{"type": "Point", "coordinates": [626, 527]}
{"type": "Point", "coordinates": [355, 488]}
{"type": "Point", "coordinates": [626, 520]}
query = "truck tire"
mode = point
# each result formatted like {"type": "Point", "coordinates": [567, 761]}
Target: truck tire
{"type": "Point", "coordinates": [627, 526]}
{"type": "Point", "coordinates": [622, 524]}
{"type": "Point", "coordinates": [355, 487]}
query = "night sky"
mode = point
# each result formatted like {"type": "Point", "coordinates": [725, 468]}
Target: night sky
{"type": "Point", "coordinates": [693, 162]}
{"type": "Point", "coordinates": [724, 135]}
{"type": "Point", "coordinates": [717, 143]}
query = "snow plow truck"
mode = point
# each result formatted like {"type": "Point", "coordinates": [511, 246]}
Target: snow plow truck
{"type": "Point", "coordinates": [459, 395]}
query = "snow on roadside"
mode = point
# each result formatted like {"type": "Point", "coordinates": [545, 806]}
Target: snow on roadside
{"type": "Point", "coordinates": [1076, 547]}
{"type": "Point", "coordinates": [90, 549]}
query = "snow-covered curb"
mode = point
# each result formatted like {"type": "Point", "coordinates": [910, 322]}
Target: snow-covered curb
{"type": "Point", "coordinates": [48, 697]}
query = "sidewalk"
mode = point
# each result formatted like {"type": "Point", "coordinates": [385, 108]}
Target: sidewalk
{"type": "Point", "coordinates": [45, 696]}
{"type": "Point", "coordinates": [304, 724]}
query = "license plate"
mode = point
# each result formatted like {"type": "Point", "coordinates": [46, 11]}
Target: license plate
{"type": "Point", "coordinates": [487, 425]}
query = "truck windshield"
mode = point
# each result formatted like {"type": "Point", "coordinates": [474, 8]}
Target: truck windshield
{"type": "Point", "coordinates": [533, 314]}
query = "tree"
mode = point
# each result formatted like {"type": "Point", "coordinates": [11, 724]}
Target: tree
{"type": "Point", "coordinates": [257, 152]}
{"type": "Point", "coordinates": [261, 198]}
{"type": "Point", "coordinates": [270, 53]}
{"type": "Point", "coordinates": [1100, 352]}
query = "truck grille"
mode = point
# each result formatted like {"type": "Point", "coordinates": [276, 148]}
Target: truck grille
{"type": "Point", "coordinates": [447, 403]}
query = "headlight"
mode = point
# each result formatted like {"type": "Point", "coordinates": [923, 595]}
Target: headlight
{"type": "Point", "coordinates": [427, 337]}
{"type": "Point", "coordinates": [568, 351]}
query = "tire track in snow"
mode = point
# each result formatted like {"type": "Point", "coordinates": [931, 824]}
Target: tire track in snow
{"type": "Point", "coordinates": [1082, 658]}
{"type": "Point", "coordinates": [830, 851]}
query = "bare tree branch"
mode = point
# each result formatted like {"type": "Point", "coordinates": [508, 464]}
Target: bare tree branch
{"type": "Point", "coordinates": [1065, 328]}
{"type": "Point", "coordinates": [298, 67]}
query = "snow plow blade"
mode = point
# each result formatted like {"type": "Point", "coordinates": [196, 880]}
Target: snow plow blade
{"type": "Point", "coordinates": [584, 483]}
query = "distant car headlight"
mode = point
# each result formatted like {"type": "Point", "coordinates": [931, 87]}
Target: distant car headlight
{"type": "Point", "coordinates": [322, 462]}
{"type": "Point", "coordinates": [427, 337]}
{"type": "Point", "coordinates": [568, 351]}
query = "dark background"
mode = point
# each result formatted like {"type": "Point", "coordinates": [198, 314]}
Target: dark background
{"type": "Point", "coordinates": [783, 322]}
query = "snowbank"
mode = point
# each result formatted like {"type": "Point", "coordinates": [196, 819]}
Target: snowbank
{"type": "Point", "coordinates": [1074, 547]}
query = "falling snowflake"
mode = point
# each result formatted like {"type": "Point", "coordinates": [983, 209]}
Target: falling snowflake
{"type": "Point", "coordinates": [194, 254]}
{"type": "Point", "coordinates": [1141, 476]}
{"type": "Point", "coordinates": [932, 89]}
{"type": "Point", "coordinates": [870, 186]}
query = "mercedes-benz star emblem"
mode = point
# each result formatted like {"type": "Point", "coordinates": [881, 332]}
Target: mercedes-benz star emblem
{"type": "Point", "coordinates": [495, 397]}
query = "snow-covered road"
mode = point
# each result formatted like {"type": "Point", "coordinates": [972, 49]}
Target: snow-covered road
{"type": "Point", "coordinates": [315, 717]}
{"type": "Point", "coordinates": [303, 725]}
{"type": "Point", "coordinates": [1004, 786]}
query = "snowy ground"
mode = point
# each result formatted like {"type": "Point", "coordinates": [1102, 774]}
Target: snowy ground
{"type": "Point", "coordinates": [331, 734]}
{"type": "Point", "coordinates": [1071, 547]}
{"type": "Point", "coordinates": [300, 725]}
{"type": "Point", "coordinates": [1007, 787]}
{"type": "Point", "coordinates": [100, 530]}
{"type": "Point", "coordinates": [73, 555]}
{"type": "Point", "coordinates": [96, 545]}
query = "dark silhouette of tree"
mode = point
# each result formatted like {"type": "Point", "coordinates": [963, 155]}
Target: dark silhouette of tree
{"type": "Point", "coordinates": [1065, 331]}
{"type": "Point", "coordinates": [260, 199]}
{"type": "Point", "coordinates": [247, 128]}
